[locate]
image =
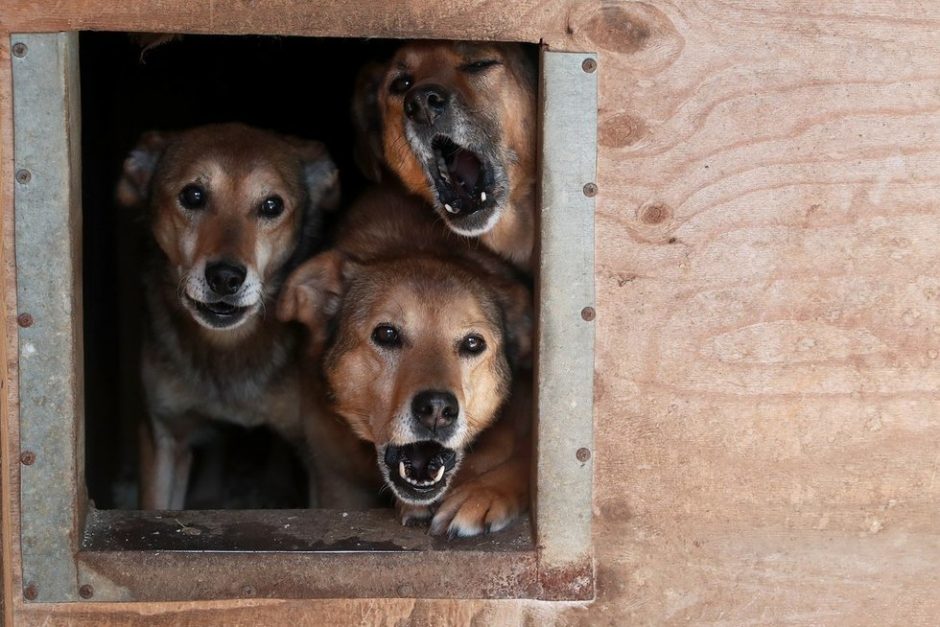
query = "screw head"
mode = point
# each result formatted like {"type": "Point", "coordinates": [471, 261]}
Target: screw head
{"type": "Point", "coordinates": [583, 454]}
{"type": "Point", "coordinates": [406, 590]}
{"type": "Point", "coordinates": [589, 65]}
{"type": "Point", "coordinates": [31, 591]}
{"type": "Point", "coordinates": [590, 190]}
{"type": "Point", "coordinates": [27, 458]}
{"type": "Point", "coordinates": [19, 49]}
{"type": "Point", "coordinates": [25, 320]}
{"type": "Point", "coordinates": [23, 176]}
{"type": "Point", "coordinates": [86, 591]}
{"type": "Point", "coordinates": [588, 314]}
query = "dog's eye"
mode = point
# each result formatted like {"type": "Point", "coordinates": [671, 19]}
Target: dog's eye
{"type": "Point", "coordinates": [387, 336]}
{"type": "Point", "coordinates": [472, 345]}
{"type": "Point", "coordinates": [401, 84]}
{"type": "Point", "coordinates": [475, 67]}
{"type": "Point", "coordinates": [272, 207]}
{"type": "Point", "coordinates": [193, 197]}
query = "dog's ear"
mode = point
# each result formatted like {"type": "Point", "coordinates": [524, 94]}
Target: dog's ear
{"type": "Point", "coordinates": [133, 189]}
{"type": "Point", "coordinates": [515, 301]}
{"type": "Point", "coordinates": [319, 172]}
{"type": "Point", "coordinates": [367, 121]}
{"type": "Point", "coordinates": [313, 293]}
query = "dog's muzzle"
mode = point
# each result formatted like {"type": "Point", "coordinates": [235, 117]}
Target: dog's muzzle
{"type": "Point", "coordinates": [464, 179]}
{"type": "Point", "coordinates": [219, 314]}
{"type": "Point", "coordinates": [419, 472]}
{"type": "Point", "coordinates": [222, 297]}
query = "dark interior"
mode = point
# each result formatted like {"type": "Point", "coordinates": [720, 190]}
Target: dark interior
{"type": "Point", "coordinates": [292, 85]}
{"type": "Point", "coordinates": [298, 86]}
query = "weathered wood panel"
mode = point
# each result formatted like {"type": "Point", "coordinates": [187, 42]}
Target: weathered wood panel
{"type": "Point", "coordinates": [768, 244]}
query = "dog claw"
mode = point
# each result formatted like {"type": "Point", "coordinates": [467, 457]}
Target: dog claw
{"type": "Point", "coordinates": [450, 209]}
{"type": "Point", "coordinates": [402, 471]}
{"type": "Point", "coordinates": [482, 196]}
{"type": "Point", "coordinates": [440, 474]}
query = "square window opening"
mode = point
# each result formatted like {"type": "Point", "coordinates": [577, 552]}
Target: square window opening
{"type": "Point", "coordinates": [301, 87]}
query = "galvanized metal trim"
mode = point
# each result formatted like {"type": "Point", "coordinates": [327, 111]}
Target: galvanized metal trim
{"type": "Point", "coordinates": [47, 205]}
{"type": "Point", "coordinates": [565, 362]}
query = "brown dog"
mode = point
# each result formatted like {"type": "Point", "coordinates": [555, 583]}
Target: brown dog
{"type": "Point", "coordinates": [455, 122]}
{"type": "Point", "coordinates": [232, 210]}
{"type": "Point", "coordinates": [417, 331]}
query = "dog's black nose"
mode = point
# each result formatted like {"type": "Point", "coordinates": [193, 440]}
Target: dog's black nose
{"type": "Point", "coordinates": [436, 411]}
{"type": "Point", "coordinates": [225, 278]}
{"type": "Point", "coordinates": [425, 103]}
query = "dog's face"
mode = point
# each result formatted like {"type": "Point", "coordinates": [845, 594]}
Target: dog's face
{"type": "Point", "coordinates": [457, 125]}
{"type": "Point", "coordinates": [229, 207]}
{"type": "Point", "coordinates": [418, 361]}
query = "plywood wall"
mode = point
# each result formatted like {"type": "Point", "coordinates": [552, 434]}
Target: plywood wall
{"type": "Point", "coordinates": [768, 278]}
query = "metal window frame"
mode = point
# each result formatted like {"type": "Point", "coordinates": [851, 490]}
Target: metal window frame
{"type": "Point", "coordinates": [70, 551]}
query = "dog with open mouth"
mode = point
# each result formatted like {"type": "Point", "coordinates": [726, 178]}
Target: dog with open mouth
{"type": "Point", "coordinates": [455, 122]}
{"type": "Point", "coordinates": [414, 339]}
{"type": "Point", "coordinates": [232, 210]}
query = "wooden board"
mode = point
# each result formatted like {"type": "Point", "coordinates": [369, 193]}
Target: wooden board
{"type": "Point", "coordinates": [768, 330]}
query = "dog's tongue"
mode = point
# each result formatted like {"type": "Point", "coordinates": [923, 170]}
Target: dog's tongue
{"type": "Point", "coordinates": [465, 170]}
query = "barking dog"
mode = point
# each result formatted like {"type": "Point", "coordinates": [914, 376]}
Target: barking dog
{"type": "Point", "coordinates": [232, 210]}
{"type": "Point", "coordinates": [456, 123]}
{"type": "Point", "coordinates": [417, 332]}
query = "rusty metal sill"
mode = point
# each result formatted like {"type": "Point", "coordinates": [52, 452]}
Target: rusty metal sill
{"type": "Point", "coordinates": [202, 555]}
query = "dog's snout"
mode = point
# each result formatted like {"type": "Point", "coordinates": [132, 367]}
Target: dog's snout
{"type": "Point", "coordinates": [225, 278]}
{"type": "Point", "coordinates": [435, 410]}
{"type": "Point", "coordinates": [425, 103]}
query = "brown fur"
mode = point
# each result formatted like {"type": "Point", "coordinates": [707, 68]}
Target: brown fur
{"type": "Point", "coordinates": [394, 263]}
{"type": "Point", "coordinates": [501, 102]}
{"type": "Point", "coordinates": [191, 372]}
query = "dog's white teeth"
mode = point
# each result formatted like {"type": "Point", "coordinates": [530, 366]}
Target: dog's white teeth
{"type": "Point", "coordinates": [440, 475]}
{"type": "Point", "coordinates": [402, 471]}
{"type": "Point", "coordinates": [449, 208]}
{"type": "Point", "coordinates": [482, 196]}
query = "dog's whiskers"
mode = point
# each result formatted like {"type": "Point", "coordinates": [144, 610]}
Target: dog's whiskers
{"type": "Point", "coordinates": [402, 154]}
{"type": "Point", "coordinates": [181, 286]}
{"type": "Point", "coordinates": [262, 303]}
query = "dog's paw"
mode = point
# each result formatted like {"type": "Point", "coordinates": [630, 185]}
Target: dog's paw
{"type": "Point", "coordinates": [475, 508]}
{"type": "Point", "coordinates": [413, 515]}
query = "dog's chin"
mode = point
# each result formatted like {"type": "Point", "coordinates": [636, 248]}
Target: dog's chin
{"type": "Point", "coordinates": [465, 185]}
{"type": "Point", "coordinates": [219, 316]}
{"type": "Point", "coordinates": [418, 473]}
{"type": "Point", "coordinates": [472, 225]}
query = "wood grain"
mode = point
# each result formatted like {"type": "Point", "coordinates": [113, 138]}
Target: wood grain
{"type": "Point", "coordinates": [9, 425]}
{"type": "Point", "coordinates": [769, 238]}
{"type": "Point", "coordinates": [768, 341]}
{"type": "Point", "coordinates": [527, 20]}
